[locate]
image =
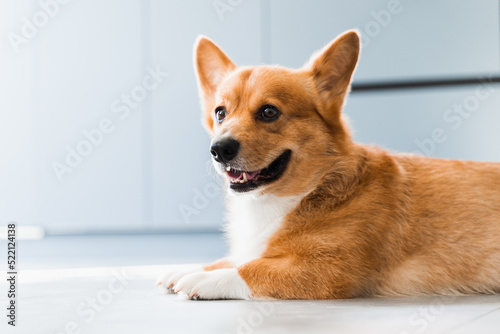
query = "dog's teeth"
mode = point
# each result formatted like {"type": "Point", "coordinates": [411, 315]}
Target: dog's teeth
{"type": "Point", "coordinates": [228, 168]}
{"type": "Point", "coordinates": [243, 179]}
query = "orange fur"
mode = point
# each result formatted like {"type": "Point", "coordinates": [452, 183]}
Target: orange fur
{"type": "Point", "coordinates": [219, 264]}
{"type": "Point", "coordinates": [372, 222]}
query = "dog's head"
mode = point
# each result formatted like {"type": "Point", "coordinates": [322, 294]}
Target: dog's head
{"type": "Point", "coordinates": [274, 129]}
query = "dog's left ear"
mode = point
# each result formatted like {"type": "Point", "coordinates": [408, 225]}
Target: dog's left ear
{"type": "Point", "coordinates": [331, 70]}
{"type": "Point", "coordinates": [211, 65]}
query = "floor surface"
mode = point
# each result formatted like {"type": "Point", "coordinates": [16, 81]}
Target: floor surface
{"type": "Point", "coordinates": [104, 284]}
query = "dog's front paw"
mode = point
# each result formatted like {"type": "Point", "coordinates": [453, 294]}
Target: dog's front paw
{"type": "Point", "coordinates": [174, 273]}
{"type": "Point", "coordinates": [215, 284]}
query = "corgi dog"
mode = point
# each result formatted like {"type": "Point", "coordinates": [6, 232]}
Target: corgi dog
{"type": "Point", "coordinates": [313, 215]}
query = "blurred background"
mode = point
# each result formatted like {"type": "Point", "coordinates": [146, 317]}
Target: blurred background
{"type": "Point", "coordinates": [100, 130]}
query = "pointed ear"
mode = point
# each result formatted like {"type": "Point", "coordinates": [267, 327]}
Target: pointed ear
{"type": "Point", "coordinates": [211, 67]}
{"type": "Point", "coordinates": [331, 70]}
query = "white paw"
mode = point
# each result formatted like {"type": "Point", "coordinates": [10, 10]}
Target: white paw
{"type": "Point", "coordinates": [174, 273]}
{"type": "Point", "coordinates": [215, 284]}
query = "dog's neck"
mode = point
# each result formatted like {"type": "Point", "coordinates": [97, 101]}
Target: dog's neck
{"type": "Point", "coordinates": [252, 220]}
{"type": "Point", "coordinates": [340, 180]}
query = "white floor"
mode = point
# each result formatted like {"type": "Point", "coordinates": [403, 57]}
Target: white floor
{"type": "Point", "coordinates": [104, 284]}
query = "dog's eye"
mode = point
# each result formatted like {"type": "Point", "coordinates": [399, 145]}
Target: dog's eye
{"type": "Point", "coordinates": [269, 113]}
{"type": "Point", "coordinates": [220, 114]}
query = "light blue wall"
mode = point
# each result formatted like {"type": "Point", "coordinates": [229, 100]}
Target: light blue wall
{"type": "Point", "coordinates": [154, 164]}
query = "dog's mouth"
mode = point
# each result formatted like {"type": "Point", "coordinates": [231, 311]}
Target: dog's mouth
{"type": "Point", "coordinates": [242, 181]}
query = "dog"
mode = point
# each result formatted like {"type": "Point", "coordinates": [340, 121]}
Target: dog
{"type": "Point", "coordinates": [313, 215]}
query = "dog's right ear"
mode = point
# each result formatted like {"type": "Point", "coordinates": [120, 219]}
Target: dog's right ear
{"type": "Point", "coordinates": [211, 65]}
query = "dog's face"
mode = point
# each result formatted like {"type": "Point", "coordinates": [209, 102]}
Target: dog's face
{"type": "Point", "coordinates": [274, 129]}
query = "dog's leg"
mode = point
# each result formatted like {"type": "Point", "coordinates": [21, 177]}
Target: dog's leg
{"type": "Point", "coordinates": [269, 278]}
{"type": "Point", "coordinates": [223, 263]}
{"type": "Point", "coordinates": [299, 278]}
{"type": "Point", "coordinates": [175, 272]}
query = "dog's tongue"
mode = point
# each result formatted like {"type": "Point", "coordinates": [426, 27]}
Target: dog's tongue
{"type": "Point", "coordinates": [238, 175]}
{"type": "Point", "coordinates": [252, 175]}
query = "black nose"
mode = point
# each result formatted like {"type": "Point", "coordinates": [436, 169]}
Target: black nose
{"type": "Point", "coordinates": [225, 150]}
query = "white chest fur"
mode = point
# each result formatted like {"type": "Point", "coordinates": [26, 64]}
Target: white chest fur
{"type": "Point", "coordinates": [253, 219]}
